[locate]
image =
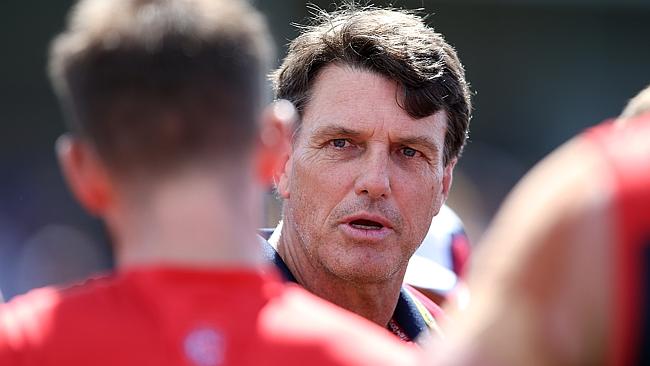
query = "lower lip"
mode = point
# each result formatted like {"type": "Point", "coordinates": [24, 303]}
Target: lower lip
{"type": "Point", "coordinates": [364, 234]}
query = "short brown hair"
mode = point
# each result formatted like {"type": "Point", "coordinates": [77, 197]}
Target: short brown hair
{"type": "Point", "coordinates": [394, 43]}
{"type": "Point", "coordinates": [152, 83]}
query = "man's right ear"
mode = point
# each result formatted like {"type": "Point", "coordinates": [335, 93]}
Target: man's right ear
{"type": "Point", "coordinates": [283, 187]}
{"type": "Point", "coordinates": [85, 174]}
{"type": "Point", "coordinates": [277, 123]}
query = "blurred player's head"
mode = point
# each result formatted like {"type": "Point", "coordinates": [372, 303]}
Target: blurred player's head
{"type": "Point", "coordinates": [154, 88]}
{"type": "Point", "coordinates": [572, 289]}
{"type": "Point", "coordinates": [637, 106]}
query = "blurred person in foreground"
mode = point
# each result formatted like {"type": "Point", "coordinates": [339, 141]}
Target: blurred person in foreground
{"type": "Point", "coordinates": [562, 277]}
{"type": "Point", "coordinates": [163, 99]}
{"type": "Point", "coordinates": [384, 112]}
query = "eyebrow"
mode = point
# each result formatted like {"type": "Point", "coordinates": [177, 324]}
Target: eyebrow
{"type": "Point", "coordinates": [335, 131]}
{"type": "Point", "coordinates": [332, 131]}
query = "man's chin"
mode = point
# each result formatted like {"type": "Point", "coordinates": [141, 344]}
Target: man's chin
{"type": "Point", "coordinates": [362, 263]}
{"type": "Point", "coordinates": [363, 273]}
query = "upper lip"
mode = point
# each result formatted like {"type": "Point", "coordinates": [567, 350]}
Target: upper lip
{"type": "Point", "coordinates": [370, 217]}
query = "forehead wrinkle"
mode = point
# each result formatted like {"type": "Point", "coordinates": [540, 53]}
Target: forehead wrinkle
{"type": "Point", "coordinates": [362, 103]}
{"type": "Point", "coordinates": [351, 86]}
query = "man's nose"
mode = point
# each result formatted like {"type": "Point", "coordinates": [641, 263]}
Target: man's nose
{"type": "Point", "coordinates": [373, 178]}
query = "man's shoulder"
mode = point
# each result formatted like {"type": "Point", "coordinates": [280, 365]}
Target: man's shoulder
{"type": "Point", "coordinates": [33, 321]}
{"type": "Point", "coordinates": [42, 303]}
{"type": "Point", "coordinates": [20, 319]}
{"type": "Point", "coordinates": [340, 337]}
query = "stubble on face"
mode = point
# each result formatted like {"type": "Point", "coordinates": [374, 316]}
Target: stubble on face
{"type": "Point", "coordinates": [347, 259]}
{"type": "Point", "coordinates": [322, 182]}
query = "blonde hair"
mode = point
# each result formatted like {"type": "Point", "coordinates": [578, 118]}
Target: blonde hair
{"type": "Point", "coordinates": [637, 106]}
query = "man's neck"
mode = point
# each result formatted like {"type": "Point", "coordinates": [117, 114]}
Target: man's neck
{"type": "Point", "coordinates": [189, 221]}
{"type": "Point", "coordinates": [373, 301]}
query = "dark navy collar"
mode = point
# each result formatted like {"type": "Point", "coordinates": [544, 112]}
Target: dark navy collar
{"type": "Point", "coordinates": [273, 256]}
{"type": "Point", "coordinates": [406, 315]}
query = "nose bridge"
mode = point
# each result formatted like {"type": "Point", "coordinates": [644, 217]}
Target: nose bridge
{"type": "Point", "coordinates": [374, 176]}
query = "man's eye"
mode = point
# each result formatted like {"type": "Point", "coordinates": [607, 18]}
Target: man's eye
{"type": "Point", "coordinates": [407, 151]}
{"type": "Point", "coordinates": [339, 143]}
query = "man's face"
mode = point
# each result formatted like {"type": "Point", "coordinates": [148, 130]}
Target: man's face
{"type": "Point", "coordinates": [363, 179]}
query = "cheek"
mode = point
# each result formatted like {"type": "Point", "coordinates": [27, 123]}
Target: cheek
{"type": "Point", "coordinates": [420, 201]}
{"type": "Point", "coordinates": [310, 197]}
{"type": "Point", "coordinates": [322, 184]}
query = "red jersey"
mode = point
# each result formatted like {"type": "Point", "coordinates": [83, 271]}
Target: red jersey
{"type": "Point", "coordinates": [627, 150]}
{"type": "Point", "coordinates": [163, 316]}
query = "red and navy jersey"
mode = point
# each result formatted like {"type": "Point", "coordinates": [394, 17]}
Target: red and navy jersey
{"type": "Point", "coordinates": [189, 317]}
{"type": "Point", "coordinates": [627, 151]}
{"type": "Point", "coordinates": [415, 317]}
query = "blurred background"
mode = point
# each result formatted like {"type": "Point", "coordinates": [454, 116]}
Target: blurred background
{"type": "Point", "coordinates": [541, 71]}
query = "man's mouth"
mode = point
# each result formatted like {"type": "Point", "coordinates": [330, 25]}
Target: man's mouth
{"type": "Point", "coordinates": [366, 224]}
{"type": "Point", "coordinates": [367, 228]}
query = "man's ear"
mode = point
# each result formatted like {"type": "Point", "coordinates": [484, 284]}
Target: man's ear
{"type": "Point", "coordinates": [283, 187]}
{"type": "Point", "coordinates": [85, 174]}
{"type": "Point", "coordinates": [275, 136]}
{"type": "Point", "coordinates": [447, 178]}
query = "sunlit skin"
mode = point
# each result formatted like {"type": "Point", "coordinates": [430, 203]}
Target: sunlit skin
{"type": "Point", "coordinates": [360, 187]}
